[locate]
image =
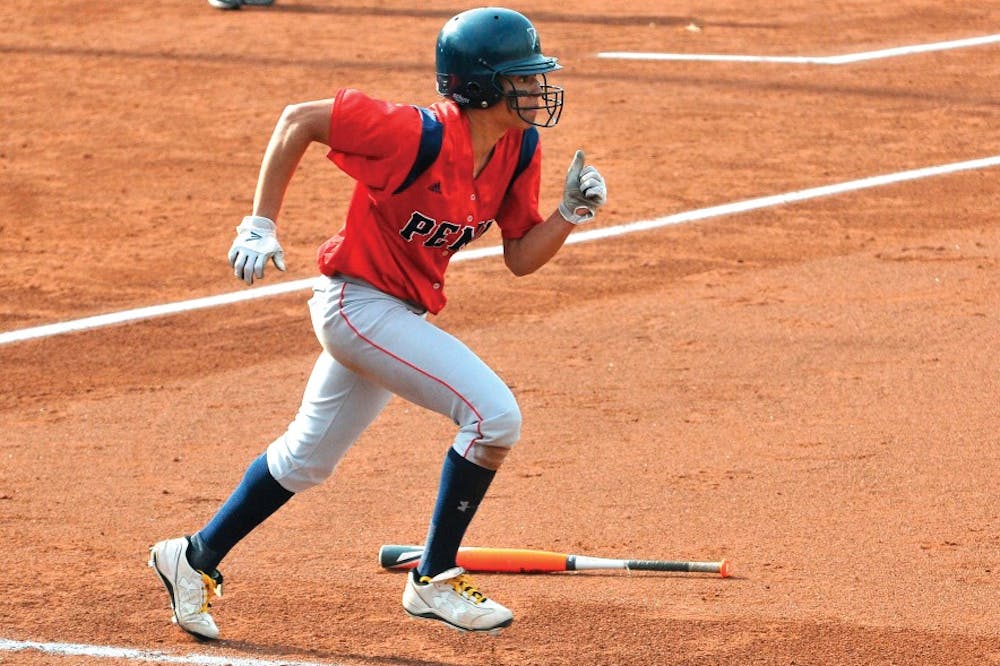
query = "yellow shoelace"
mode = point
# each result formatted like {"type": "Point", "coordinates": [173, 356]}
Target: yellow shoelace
{"type": "Point", "coordinates": [211, 589]}
{"type": "Point", "coordinates": [463, 585]}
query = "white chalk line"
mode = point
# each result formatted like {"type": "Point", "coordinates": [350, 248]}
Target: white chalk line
{"type": "Point", "coordinates": [808, 60]}
{"type": "Point", "coordinates": [104, 652]}
{"type": "Point", "coordinates": [149, 312]}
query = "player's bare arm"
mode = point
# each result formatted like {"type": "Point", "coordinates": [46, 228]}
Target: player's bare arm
{"type": "Point", "coordinates": [256, 237]}
{"type": "Point", "coordinates": [298, 127]}
{"type": "Point", "coordinates": [585, 191]}
{"type": "Point", "coordinates": [527, 254]}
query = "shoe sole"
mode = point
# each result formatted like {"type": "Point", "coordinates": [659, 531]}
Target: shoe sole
{"type": "Point", "coordinates": [173, 603]}
{"type": "Point", "coordinates": [430, 615]}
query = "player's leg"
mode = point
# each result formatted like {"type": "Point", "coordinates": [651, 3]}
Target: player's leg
{"type": "Point", "coordinates": [336, 407]}
{"type": "Point", "coordinates": [395, 347]}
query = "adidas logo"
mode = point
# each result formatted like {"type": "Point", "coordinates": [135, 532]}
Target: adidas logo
{"type": "Point", "coordinates": [435, 187]}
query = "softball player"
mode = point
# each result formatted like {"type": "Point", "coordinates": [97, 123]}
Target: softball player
{"type": "Point", "coordinates": [429, 181]}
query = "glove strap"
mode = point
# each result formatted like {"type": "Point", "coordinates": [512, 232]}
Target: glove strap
{"type": "Point", "coordinates": [572, 216]}
{"type": "Point", "coordinates": [257, 223]}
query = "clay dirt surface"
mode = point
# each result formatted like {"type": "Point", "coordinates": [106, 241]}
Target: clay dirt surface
{"type": "Point", "coordinates": [807, 389]}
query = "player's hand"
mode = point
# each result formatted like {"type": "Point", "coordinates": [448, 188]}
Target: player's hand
{"type": "Point", "coordinates": [255, 243]}
{"type": "Point", "coordinates": [585, 192]}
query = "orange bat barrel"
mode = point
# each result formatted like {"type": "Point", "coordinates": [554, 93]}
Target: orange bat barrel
{"type": "Point", "coordinates": [500, 560]}
{"type": "Point", "coordinates": [511, 560]}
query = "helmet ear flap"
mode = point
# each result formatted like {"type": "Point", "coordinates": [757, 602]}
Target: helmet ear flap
{"type": "Point", "coordinates": [446, 83]}
{"type": "Point", "coordinates": [468, 93]}
{"type": "Point", "coordinates": [476, 94]}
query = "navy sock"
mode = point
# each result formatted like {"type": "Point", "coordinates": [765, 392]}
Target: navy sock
{"type": "Point", "coordinates": [463, 486]}
{"type": "Point", "coordinates": [256, 498]}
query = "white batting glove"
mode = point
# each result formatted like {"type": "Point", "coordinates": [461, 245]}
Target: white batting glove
{"type": "Point", "coordinates": [256, 242]}
{"type": "Point", "coordinates": [585, 192]}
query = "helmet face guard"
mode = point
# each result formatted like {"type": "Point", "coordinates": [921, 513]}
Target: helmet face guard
{"type": "Point", "coordinates": [541, 106]}
{"type": "Point", "coordinates": [481, 52]}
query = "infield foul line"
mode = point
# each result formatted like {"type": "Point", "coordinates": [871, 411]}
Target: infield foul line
{"type": "Point", "coordinates": [808, 60]}
{"type": "Point", "coordinates": [104, 652]}
{"type": "Point", "coordinates": [99, 321]}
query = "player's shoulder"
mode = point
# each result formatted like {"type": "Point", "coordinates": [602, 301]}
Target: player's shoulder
{"type": "Point", "coordinates": [354, 99]}
{"type": "Point", "coordinates": [445, 110]}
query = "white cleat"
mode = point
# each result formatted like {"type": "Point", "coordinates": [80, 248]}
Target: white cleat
{"type": "Point", "coordinates": [189, 588]}
{"type": "Point", "coordinates": [451, 597]}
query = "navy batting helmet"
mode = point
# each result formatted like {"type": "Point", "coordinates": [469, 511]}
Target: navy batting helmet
{"type": "Point", "coordinates": [479, 48]}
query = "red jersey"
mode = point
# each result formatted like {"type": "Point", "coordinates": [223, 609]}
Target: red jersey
{"type": "Point", "coordinates": [401, 232]}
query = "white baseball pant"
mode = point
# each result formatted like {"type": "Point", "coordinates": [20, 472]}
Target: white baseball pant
{"type": "Point", "coordinates": [374, 346]}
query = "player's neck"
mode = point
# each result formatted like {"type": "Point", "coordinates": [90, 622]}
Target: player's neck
{"type": "Point", "coordinates": [486, 127]}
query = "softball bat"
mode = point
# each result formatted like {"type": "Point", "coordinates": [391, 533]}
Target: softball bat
{"type": "Point", "coordinates": [520, 560]}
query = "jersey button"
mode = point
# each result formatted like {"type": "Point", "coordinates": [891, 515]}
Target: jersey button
{"type": "Point", "coordinates": [473, 197]}
{"type": "Point", "coordinates": [469, 218]}
{"type": "Point", "coordinates": [436, 285]}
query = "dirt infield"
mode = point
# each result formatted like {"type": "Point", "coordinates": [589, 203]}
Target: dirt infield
{"type": "Point", "coordinates": [808, 389]}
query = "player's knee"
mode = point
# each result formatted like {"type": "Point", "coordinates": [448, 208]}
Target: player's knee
{"type": "Point", "coordinates": [294, 471]}
{"type": "Point", "coordinates": [503, 429]}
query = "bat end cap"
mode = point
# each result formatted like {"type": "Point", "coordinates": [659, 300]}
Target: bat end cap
{"type": "Point", "coordinates": [724, 570]}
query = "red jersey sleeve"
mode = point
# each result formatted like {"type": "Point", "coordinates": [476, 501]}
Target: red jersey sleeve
{"type": "Point", "coordinates": [519, 211]}
{"type": "Point", "coordinates": [372, 141]}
